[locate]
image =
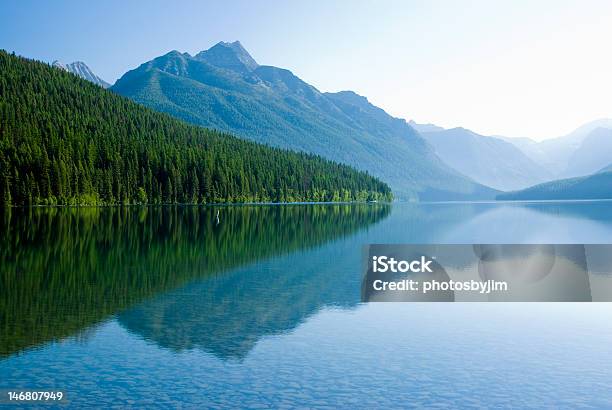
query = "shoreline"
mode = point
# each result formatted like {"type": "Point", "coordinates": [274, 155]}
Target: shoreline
{"type": "Point", "coordinates": [236, 204]}
{"type": "Point", "coordinates": [215, 204]}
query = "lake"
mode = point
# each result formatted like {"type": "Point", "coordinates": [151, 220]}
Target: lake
{"type": "Point", "coordinates": [169, 306]}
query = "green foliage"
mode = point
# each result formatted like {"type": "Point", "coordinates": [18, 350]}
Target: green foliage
{"type": "Point", "coordinates": [65, 141]}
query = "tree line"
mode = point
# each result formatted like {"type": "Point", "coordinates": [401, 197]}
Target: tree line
{"type": "Point", "coordinates": [65, 141]}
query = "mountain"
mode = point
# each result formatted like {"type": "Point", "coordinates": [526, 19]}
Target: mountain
{"type": "Point", "coordinates": [580, 133]}
{"type": "Point", "coordinates": [593, 153]}
{"type": "Point", "coordinates": [82, 70]}
{"type": "Point", "coordinates": [555, 154]}
{"type": "Point", "coordinates": [488, 160]}
{"type": "Point", "coordinates": [560, 150]}
{"type": "Point", "coordinates": [596, 186]}
{"type": "Point", "coordinates": [64, 140]}
{"type": "Point", "coordinates": [534, 151]}
{"type": "Point", "coordinates": [226, 89]}
{"type": "Point", "coordinates": [606, 169]}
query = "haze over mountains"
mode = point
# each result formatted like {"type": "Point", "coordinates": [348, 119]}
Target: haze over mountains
{"type": "Point", "coordinates": [594, 152]}
{"type": "Point", "coordinates": [82, 70]}
{"type": "Point", "coordinates": [511, 164]}
{"type": "Point", "coordinates": [488, 160]}
{"type": "Point", "coordinates": [581, 152]}
{"type": "Point", "coordinates": [225, 88]}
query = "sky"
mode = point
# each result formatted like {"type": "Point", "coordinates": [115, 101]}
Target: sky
{"type": "Point", "coordinates": [517, 68]}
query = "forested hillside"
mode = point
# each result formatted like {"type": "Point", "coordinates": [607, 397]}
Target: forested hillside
{"type": "Point", "coordinates": [596, 186]}
{"type": "Point", "coordinates": [64, 140]}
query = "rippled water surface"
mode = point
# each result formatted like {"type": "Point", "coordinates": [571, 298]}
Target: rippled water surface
{"type": "Point", "coordinates": [168, 306]}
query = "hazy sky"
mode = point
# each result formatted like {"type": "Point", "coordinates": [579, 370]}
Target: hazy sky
{"type": "Point", "coordinates": [518, 68]}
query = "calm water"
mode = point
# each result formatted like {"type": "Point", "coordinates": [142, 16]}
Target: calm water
{"type": "Point", "coordinates": [168, 306]}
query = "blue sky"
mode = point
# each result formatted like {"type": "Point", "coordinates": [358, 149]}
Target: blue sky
{"type": "Point", "coordinates": [518, 68]}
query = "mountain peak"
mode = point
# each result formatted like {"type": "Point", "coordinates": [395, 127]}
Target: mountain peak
{"type": "Point", "coordinates": [81, 69]}
{"type": "Point", "coordinates": [231, 56]}
{"type": "Point", "coordinates": [58, 64]}
{"type": "Point", "coordinates": [176, 53]}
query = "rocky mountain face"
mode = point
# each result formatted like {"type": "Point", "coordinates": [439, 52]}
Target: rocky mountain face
{"type": "Point", "coordinates": [81, 69]}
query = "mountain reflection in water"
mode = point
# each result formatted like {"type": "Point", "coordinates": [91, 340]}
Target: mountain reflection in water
{"type": "Point", "coordinates": [63, 270]}
{"type": "Point", "coordinates": [177, 277]}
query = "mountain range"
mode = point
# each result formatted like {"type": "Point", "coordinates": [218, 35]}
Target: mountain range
{"type": "Point", "coordinates": [488, 160]}
{"type": "Point", "coordinates": [226, 89]}
{"type": "Point", "coordinates": [514, 164]}
{"type": "Point", "coordinates": [581, 152]}
{"type": "Point", "coordinates": [82, 70]}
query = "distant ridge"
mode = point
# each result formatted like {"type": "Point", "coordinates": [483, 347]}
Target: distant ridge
{"type": "Point", "coordinates": [593, 153]}
{"type": "Point", "coordinates": [512, 164]}
{"type": "Point", "coordinates": [488, 160]}
{"type": "Point", "coordinates": [606, 169]}
{"type": "Point", "coordinates": [557, 154]}
{"type": "Point", "coordinates": [82, 70]}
